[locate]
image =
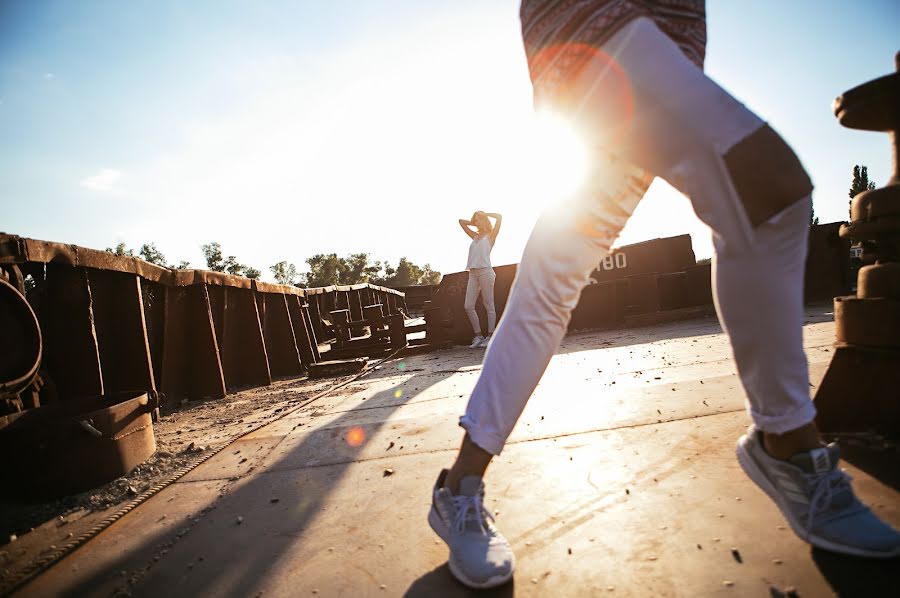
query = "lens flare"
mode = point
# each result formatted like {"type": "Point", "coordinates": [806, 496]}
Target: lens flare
{"type": "Point", "coordinates": [398, 393]}
{"type": "Point", "coordinates": [355, 436]}
{"type": "Point", "coordinates": [401, 366]}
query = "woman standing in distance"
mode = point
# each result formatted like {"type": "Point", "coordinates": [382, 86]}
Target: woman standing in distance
{"type": "Point", "coordinates": [481, 274]}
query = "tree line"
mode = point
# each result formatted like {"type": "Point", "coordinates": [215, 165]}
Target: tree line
{"type": "Point", "coordinates": [324, 269]}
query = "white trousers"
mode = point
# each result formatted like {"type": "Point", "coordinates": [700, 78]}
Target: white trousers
{"type": "Point", "coordinates": [757, 271]}
{"type": "Point", "coordinates": [481, 280]}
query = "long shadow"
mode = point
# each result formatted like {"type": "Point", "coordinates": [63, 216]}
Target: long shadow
{"type": "Point", "coordinates": [852, 577]}
{"type": "Point", "coordinates": [440, 582]}
{"type": "Point", "coordinates": [240, 570]}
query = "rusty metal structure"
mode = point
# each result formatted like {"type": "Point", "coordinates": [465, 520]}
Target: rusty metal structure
{"type": "Point", "coordinates": [638, 284]}
{"type": "Point", "coordinates": [861, 389]}
{"type": "Point", "coordinates": [102, 339]}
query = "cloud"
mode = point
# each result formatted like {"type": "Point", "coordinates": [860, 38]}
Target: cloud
{"type": "Point", "coordinates": [103, 181]}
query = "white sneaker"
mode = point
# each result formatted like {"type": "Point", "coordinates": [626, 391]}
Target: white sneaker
{"type": "Point", "coordinates": [484, 342]}
{"type": "Point", "coordinates": [480, 557]}
{"type": "Point", "coordinates": [476, 342]}
{"type": "Point", "coordinates": [817, 500]}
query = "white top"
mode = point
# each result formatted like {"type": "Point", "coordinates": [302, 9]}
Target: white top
{"type": "Point", "coordinates": [480, 253]}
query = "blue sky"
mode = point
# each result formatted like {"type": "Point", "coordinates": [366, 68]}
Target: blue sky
{"type": "Point", "coordinates": [283, 128]}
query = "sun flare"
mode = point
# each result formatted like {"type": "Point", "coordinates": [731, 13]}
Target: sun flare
{"type": "Point", "coordinates": [558, 156]}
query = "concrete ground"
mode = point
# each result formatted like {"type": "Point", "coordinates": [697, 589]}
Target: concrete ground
{"type": "Point", "coordinates": [620, 479]}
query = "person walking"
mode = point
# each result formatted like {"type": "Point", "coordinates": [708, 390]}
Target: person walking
{"type": "Point", "coordinates": [481, 275]}
{"type": "Point", "coordinates": [629, 75]}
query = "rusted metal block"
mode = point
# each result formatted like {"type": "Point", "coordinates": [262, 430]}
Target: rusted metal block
{"type": "Point", "coordinates": [860, 391]}
{"type": "Point", "coordinates": [638, 294]}
{"type": "Point", "coordinates": [342, 367]}
{"type": "Point", "coordinates": [64, 307]}
{"type": "Point", "coordinates": [341, 320]}
{"type": "Point", "coordinates": [154, 298]}
{"type": "Point", "coordinates": [303, 333]}
{"type": "Point", "coordinates": [245, 362]}
{"type": "Point", "coordinates": [397, 327]}
{"type": "Point", "coordinates": [827, 272]}
{"type": "Point", "coordinates": [281, 345]}
{"type": "Point", "coordinates": [118, 309]}
{"type": "Point", "coordinates": [597, 307]}
{"type": "Point", "coordinates": [669, 254]}
{"type": "Point", "coordinates": [699, 285]}
{"type": "Point", "coordinates": [191, 364]}
{"type": "Point", "coordinates": [76, 444]}
{"type": "Point", "coordinates": [672, 289]}
{"type": "Point", "coordinates": [374, 315]}
{"type": "Point", "coordinates": [872, 322]}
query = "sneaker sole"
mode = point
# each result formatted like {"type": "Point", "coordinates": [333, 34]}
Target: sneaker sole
{"type": "Point", "coordinates": [748, 464]}
{"type": "Point", "coordinates": [437, 524]}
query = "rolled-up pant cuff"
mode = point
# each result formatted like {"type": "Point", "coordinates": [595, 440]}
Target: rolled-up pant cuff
{"type": "Point", "coordinates": [785, 422]}
{"type": "Point", "coordinates": [485, 440]}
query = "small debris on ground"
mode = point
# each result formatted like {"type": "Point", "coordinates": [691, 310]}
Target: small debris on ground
{"type": "Point", "coordinates": [388, 472]}
{"type": "Point", "coordinates": [239, 520]}
{"type": "Point", "coordinates": [737, 555]}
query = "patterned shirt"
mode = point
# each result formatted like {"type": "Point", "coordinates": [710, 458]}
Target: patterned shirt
{"type": "Point", "coordinates": [560, 35]}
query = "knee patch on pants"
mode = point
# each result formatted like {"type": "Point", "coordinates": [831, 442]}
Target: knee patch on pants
{"type": "Point", "coordinates": [766, 174]}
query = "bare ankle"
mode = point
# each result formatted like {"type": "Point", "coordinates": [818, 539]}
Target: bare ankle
{"type": "Point", "coordinates": [471, 460]}
{"type": "Point", "coordinates": [784, 446]}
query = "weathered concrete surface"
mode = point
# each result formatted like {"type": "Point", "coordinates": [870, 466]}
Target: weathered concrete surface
{"type": "Point", "coordinates": [620, 479]}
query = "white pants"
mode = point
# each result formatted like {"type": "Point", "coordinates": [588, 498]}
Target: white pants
{"type": "Point", "coordinates": [481, 280]}
{"type": "Point", "coordinates": [757, 271]}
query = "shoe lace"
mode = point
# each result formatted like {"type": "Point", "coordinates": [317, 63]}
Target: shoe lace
{"type": "Point", "coordinates": [470, 508]}
{"type": "Point", "coordinates": [824, 487]}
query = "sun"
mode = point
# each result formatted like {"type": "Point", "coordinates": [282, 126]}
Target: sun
{"type": "Point", "coordinates": [558, 157]}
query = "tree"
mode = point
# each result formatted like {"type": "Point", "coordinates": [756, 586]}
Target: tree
{"type": "Point", "coordinates": [358, 269]}
{"type": "Point", "coordinates": [429, 276]}
{"type": "Point", "coordinates": [213, 254]}
{"type": "Point", "coordinates": [121, 250]}
{"type": "Point", "coordinates": [284, 272]}
{"type": "Point", "coordinates": [813, 219]}
{"type": "Point", "coordinates": [234, 267]}
{"type": "Point", "coordinates": [183, 265]}
{"type": "Point", "coordinates": [324, 270]}
{"type": "Point", "coordinates": [860, 183]}
{"type": "Point", "coordinates": [151, 254]}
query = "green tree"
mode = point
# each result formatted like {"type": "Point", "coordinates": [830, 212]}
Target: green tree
{"type": "Point", "coordinates": [324, 270]}
{"type": "Point", "coordinates": [860, 183]}
{"type": "Point", "coordinates": [121, 250]}
{"type": "Point", "coordinates": [234, 267]}
{"type": "Point", "coordinates": [215, 261]}
{"type": "Point", "coordinates": [357, 268]}
{"type": "Point", "coordinates": [407, 273]}
{"type": "Point", "coordinates": [183, 265]}
{"type": "Point", "coordinates": [151, 254]}
{"type": "Point", "coordinates": [212, 252]}
{"type": "Point", "coordinates": [284, 272]}
{"type": "Point", "coordinates": [429, 276]}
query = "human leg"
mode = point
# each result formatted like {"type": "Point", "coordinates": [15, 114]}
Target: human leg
{"type": "Point", "coordinates": [487, 298]}
{"type": "Point", "coordinates": [472, 288]}
{"type": "Point", "coordinates": [709, 146]}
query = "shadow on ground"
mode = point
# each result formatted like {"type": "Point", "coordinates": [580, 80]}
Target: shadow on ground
{"type": "Point", "coordinates": [852, 577]}
{"type": "Point", "coordinates": [241, 570]}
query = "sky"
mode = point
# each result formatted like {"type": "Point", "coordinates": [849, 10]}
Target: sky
{"type": "Point", "coordinates": [286, 128]}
